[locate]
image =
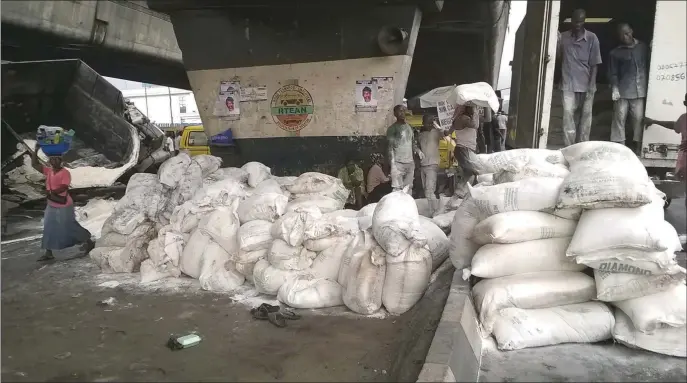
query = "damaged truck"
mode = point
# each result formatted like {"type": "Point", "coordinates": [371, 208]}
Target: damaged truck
{"type": "Point", "coordinates": [113, 139]}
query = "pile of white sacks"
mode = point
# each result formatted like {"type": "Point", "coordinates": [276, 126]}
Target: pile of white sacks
{"type": "Point", "coordinates": [534, 226]}
{"type": "Point", "coordinates": [287, 236]}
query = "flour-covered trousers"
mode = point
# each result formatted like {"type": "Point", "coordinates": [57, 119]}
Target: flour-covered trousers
{"type": "Point", "coordinates": [402, 176]}
{"type": "Point", "coordinates": [577, 116]}
{"type": "Point", "coordinates": [429, 184]}
{"type": "Point", "coordinates": [620, 108]}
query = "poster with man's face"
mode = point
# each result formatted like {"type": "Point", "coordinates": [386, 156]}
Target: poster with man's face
{"type": "Point", "coordinates": [366, 96]}
{"type": "Point", "coordinates": [228, 100]}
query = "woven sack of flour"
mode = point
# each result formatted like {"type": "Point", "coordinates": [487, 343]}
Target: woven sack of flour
{"type": "Point", "coordinates": [492, 163]}
{"type": "Point", "coordinates": [406, 279]}
{"type": "Point", "coordinates": [365, 280]}
{"type": "Point", "coordinates": [268, 279]}
{"type": "Point", "coordinates": [437, 242]}
{"type": "Point", "coordinates": [622, 286]}
{"type": "Point", "coordinates": [257, 173]}
{"type": "Point", "coordinates": [269, 186]}
{"type": "Point", "coordinates": [219, 192]}
{"type": "Point", "coordinates": [312, 183]}
{"type": "Point", "coordinates": [443, 220]}
{"type": "Point", "coordinates": [222, 225]}
{"type": "Point", "coordinates": [172, 170]}
{"type": "Point", "coordinates": [461, 247]}
{"type": "Point", "coordinates": [530, 291]}
{"type": "Point", "coordinates": [588, 322]}
{"type": "Point", "coordinates": [632, 262]}
{"type": "Point", "coordinates": [522, 226]}
{"type": "Point", "coordinates": [255, 235]}
{"type": "Point", "coordinates": [500, 260]}
{"type": "Point", "coordinates": [287, 257]}
{"type": "Point", "coordinates": [237, 174]}
{"type": "Point", "coordinates": [267, 207]}
{"type": "Point", "coordinates": [665, 340]}
{"type": "Point", "coordinates": [530, 194]}
{"type": "Point", "coordinates": [308, 292]}
{"type": "Point", "coordinates": [653, 311]}
{"type": "Point", "coordinates": [324, 203]}
{"type": "Point", "coordinates": [327, 262]}
{"type": "Point", "coordinates": [292, 225]}
{"type": "Point", "coordinates": [218, 273]}
{"type": "Point", "coordinates": [519, 169]}
{"type": "Point", "coordinates": [396, 224]}
{"type": "Point", "coordinates": [604, 175]}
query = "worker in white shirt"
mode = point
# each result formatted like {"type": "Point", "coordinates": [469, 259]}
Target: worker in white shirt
{"type": "Point", "coordinates": [169, 142]}
{"type": "Point", "coordinates": [430, 136]}
{"type": "Point", "coordinates": [177, 142]}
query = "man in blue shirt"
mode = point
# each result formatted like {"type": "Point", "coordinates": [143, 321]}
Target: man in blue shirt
{"type": "Point", "coordinates": [581, 55]}
{"type": "Point", "coordinates": [627, 72]}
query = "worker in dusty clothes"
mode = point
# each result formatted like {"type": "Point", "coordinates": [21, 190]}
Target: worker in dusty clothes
{"type": "Point", "coordinates": [465, 124]}
{"type": "Point", "coordinates": [581, 56]}
{"type": "Point", "coordinates": [402, 145]}
{"type": "Point", "coordinates": [627, 72]}
{"type": "Point", "coordinates": [430, 136]}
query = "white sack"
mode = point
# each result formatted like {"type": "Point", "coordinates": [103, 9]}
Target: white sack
{"type": "Point", "coordinates": [246, 269]}
{"type": "Point", "coordinates": [208, 164]}
{"type": "Point", "coordinates": [395, 224]}
{"type": "Point", "coordinates": [530, 291]}
{"type": "Point", "coordinates": [530, 194]}
{"type": "Point", "coordinates": [329, 226]}
{"type": "Point", "coordinates": [307, 292]}
{"type": "Point", "coordinates": [478, 93]}
{"type": "Point", "coordinates": [268, 279]}
{"type": "Point", "coordinates": [367, 210]}
{"type": "Point", "coordinates": [492, 163]}
{"type": "Point", "coordinates": [572, 213]}
{"type": "Point", "coordinates": [488, 178]}
{"type": "Point", "coordinates": [255, 235]}
{"type": "Point", "coordinates": [318, 183]}
{"type": "Point", "coordinates": [93, 215]}
{"type": "Point", "coordinates": [604, 175]}
{"type": "Point", "coordinates": [252, 256]}
{"type": "Point", "coordinates": [222, 225]}
{"type": "Point", "coordinates": [589, 322]}
{"type": "Point", "coordinates": [328, 262]}
{"type": "Point", "coordinates": [172, 170]}
{"type": "Point", "coordinates": [345, 213]}
{"type": "Point", "coordinates": [453, 203]}
{"type": "Point", "coordinates": [186, 217]}
{"type": "Point", "coordinates": [150, 272]}
{"type": "Point", "coordinates": [500, 260]}
{"type": "Point", "coordinates": [652, 311]}
{"type": "Point", "coordinates": [111, 238]}
{"type": "Point", "coordinates": [191, 262]}
{"type": "Point", "coordinates": [665, 340]}
{"type": "Point", "coordinates": [366, 272]}
{"type": "Point", "coordinates": [124, 221]}
{"type": "Point", "coordinates": [219, 192]}
{"type": "Point", "coordinates": [287, 257]}
{"type": "Point", "coordinates": [237, 174]}
{"type": "Point", "coordinates": [292, 225]}
{"type": "Point", "coordinates": [269, 186]}
{"type": "Point", "coordinates": [323, 244]}
{"type": "Point", "coordinates": [285, 181]}
{"type": "Point", "coordinates": [423, 206]}
{"type": "Point", "coordinates": [437, 242]}
{"type": "Point", "coordinates": [174, 246]}
{"type": "Point", "coordinates": [219, 273]}
{"type": "Point", "coordinates": [622, 228]}
{"type": "Point", "coordinates": [444, 220]}
{"type": "Point", "coordinates": [267, 207]}
{"type": "Point", "coordinates": [362, 241]}
{"type": "Point", "coordinates": [191, 180]}
{"type": "Point", "coordinates": [101, 257]}
{"type": "Point", "coordinates": [462, 248]}
{"type": "Point", "coordinates": [622, 286]}
{"type": "Point", "coordinates": [615, 261]}
{"type": "Point", "coordinates": [521, 226]}
{"type": "Point", "coordinates": [519, 170]}
{"type": "Point", "coordinates": [406, 279]}
{"type": "Point", "coordinates": [325, 204]}
{"type": "Point", "coordinates": [257, 173]}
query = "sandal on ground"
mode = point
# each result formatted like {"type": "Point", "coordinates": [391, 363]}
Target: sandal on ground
{"type": "Point", "coordinates": [261, 312]}
{"type": "Point", "coordinates": [290, 315]}
{"type": "Point", "coordinates": [277, 319]}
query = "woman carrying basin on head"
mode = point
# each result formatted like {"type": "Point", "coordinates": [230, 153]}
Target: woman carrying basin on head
{"type": "Point", "coordinates": [60, 229]}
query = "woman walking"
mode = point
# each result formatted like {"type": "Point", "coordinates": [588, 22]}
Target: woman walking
{"type": "Point", "coordinates": [60, 229]}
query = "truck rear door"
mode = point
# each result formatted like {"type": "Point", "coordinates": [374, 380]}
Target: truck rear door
{"type": "Point", "coordinates": [667, 83]}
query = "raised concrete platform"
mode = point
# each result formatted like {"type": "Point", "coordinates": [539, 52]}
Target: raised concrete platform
{"type": "Point", "coordinates": [459, 354]}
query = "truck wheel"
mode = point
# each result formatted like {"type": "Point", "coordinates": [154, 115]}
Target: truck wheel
{"type": "Point", "coordinates": [667, 203]}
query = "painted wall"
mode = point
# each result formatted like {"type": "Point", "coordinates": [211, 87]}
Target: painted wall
{"type": "Point", "coordinates": [332, 86]}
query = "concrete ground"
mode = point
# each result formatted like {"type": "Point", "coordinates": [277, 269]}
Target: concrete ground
{"type": "Point", "coordinates": [53, 329]}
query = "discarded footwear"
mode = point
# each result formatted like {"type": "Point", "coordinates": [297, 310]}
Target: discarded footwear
{"type": "Point", "coordinates": [46, 257]}
{"type": "Point", "coordinates": [277, 319]}
{"type": "Point", "coordinates": [261, 312]}
{"type": "Point", "coordinates": [290, 315]}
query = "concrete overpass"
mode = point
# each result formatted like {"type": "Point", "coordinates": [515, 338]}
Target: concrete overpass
{"type": "Point", "coordinates": [123, 39]}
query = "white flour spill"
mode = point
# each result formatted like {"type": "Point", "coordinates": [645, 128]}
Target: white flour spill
{"type": "Point", "coordinates": [110, 284]}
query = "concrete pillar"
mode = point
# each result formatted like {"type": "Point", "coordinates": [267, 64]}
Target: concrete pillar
{"type": "Point", "coordinates": [309, 60]}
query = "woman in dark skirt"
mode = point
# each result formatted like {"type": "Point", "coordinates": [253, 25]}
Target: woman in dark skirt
{"type": "Point", "coordinates": [60, 229]}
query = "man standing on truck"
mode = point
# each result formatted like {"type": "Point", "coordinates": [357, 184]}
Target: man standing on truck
{"type": "Point", "coordinates": [581, 55]}
{"type": "Point", "coordinates": [627, 72]}
{"type": "Point", "coordinates": [678, 126]}
{"type": "Point", "coordinates": [402, 145]}
{"type": "Point", "coordinates": [430, 136]}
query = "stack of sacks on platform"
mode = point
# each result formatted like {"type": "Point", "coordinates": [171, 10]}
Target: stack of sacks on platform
{"type": "Point", "coordinates": [511, 234]}
{"type": "Point", "coordinates": [623, 236]}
